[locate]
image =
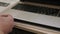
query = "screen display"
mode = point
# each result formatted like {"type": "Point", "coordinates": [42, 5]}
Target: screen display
{"type": "Point", "coordinates": [53, 2]}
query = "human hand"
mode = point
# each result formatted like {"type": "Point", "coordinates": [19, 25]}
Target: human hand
{"type": "Point", "coordinates": [6, 23]}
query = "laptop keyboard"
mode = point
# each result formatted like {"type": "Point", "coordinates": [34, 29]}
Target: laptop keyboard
{"type": "Point", "coordinates": [38, 9]}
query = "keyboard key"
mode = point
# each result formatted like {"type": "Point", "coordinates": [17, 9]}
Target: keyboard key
{"type": "Point", "coordinates": [52, 12]}
{"type": "Point", "coordinates": [59, 14]}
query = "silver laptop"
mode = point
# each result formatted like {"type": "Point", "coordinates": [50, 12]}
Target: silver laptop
{"type": "Point", "coordinates": [45, 13]}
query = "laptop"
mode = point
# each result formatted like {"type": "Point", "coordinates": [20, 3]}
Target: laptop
{"type": "Point", "coordinates": [42, 13]}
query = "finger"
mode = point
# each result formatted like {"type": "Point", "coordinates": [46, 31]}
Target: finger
{"type": "Point", "coordinates": [7, 16]}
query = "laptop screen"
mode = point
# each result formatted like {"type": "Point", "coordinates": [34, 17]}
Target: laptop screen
{"type": "Point", "coordinates": [52, 2]}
